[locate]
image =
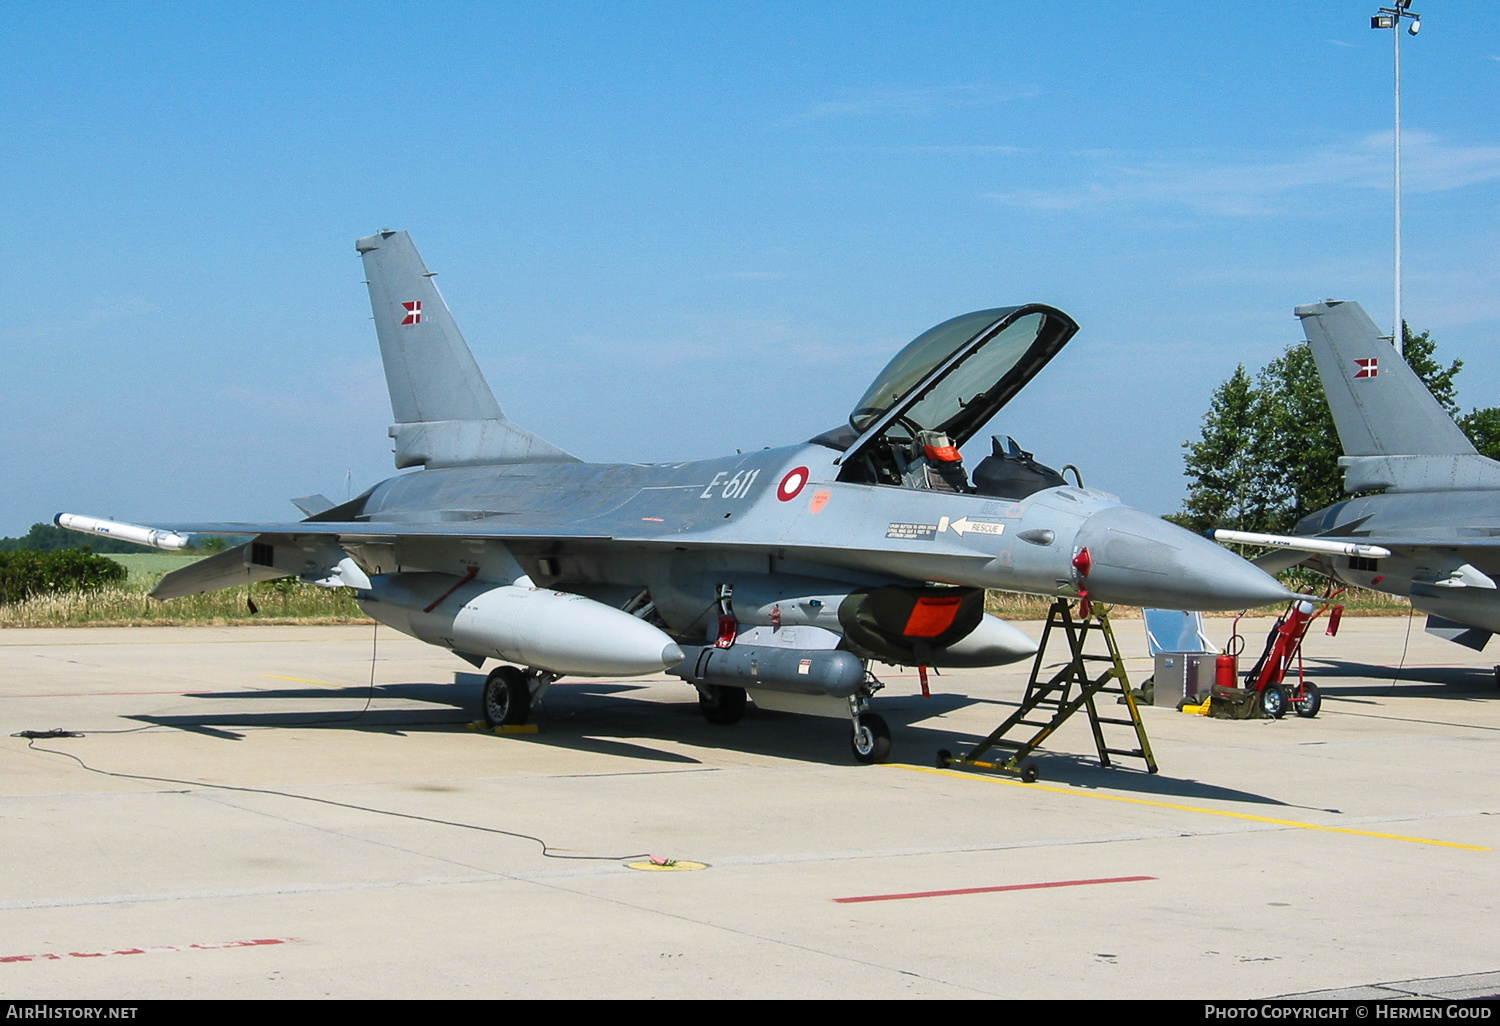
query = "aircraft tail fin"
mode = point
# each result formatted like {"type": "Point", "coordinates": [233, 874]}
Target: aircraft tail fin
{"type": "Point", "coordinates": [444, 410]}
{"type": "Point", "coordinates": [1395, 435]}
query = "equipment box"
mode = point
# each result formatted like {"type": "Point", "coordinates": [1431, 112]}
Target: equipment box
{"type": "Point", "coordinates": [1182, 675]}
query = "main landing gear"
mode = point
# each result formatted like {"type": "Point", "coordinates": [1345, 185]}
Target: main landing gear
{"type": "Point", "coordinates": [509, 692]}
{"type": "Point", "coordinates": [721, 703]}
{"type": "Point", "coordinates": [869, 737]}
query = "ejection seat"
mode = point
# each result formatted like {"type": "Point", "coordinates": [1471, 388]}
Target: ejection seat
{"type": "Point", "coordinates": [1009, 472]}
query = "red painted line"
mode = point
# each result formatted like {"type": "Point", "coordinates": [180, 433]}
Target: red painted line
{"type": "Point", "coordinates": [158, 949]}
{"type": "Point", "coordinates": [991, 890]}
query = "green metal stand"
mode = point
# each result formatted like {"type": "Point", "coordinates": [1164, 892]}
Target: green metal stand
{"type": "Point", "coordinates": [1057, 695]}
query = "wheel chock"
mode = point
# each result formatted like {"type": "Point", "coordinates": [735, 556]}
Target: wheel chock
{"type": "Point", "coordinates": [504, 728]}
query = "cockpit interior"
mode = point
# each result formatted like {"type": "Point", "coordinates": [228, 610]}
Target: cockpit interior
{"type": "Point", "coordinates": [941, 390]}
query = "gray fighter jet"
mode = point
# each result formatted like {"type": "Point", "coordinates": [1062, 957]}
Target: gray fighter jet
{"type": "Point", "coordinates": [782, 573]}
{"type": "Point", "coordinates": [1432, 533]}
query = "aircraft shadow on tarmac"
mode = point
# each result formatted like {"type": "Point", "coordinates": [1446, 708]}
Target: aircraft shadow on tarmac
{"type": "Point", "coordinates": [607, 718]}
{"type": "Point", "coordinates": [1462, 682]}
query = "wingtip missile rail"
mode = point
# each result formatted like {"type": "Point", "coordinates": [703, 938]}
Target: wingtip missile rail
{"type": "Point", "coordinates": [168, 540]}
{"type": "Point", "coordinates": [1278, 541]}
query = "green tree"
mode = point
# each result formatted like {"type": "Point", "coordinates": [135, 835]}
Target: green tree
{"type": "Point", "coordinates": [1227, 490]}
{"type": "Point", "coordinates": [1300, 453]}
{"type": "Point", "coordinates": [24, 573]}
{"type": "Point", "coordinates": [1421, 354]}
{"type": "Point", "coordinates": [1483, 429]}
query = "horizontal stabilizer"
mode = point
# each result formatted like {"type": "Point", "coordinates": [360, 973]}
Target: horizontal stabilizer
{"type": "Point", "coordinates": [226, 569]}
{"type": "Point", "coordinates": [445, 413]}
{"type": "Point", "coordinates": [1277, 560]}
{"type": "Point", "coordinates": [312, 505]}
{"type": "Point", "coordinates": [1458, 633]}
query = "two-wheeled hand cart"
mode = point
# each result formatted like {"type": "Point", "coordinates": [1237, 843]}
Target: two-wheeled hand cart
{"type": "Point", "coordinates": [1283, 647]}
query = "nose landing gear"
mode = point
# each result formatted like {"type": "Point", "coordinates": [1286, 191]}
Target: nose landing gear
{"type": "Point", "coordinates": [871, 740]}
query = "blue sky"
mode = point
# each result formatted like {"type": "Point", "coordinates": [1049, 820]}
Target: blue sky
{"type": "Point", "coordinates": [673, 230]}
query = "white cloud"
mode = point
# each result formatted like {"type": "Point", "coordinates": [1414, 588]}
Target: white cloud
{"type": "Point", "coordinates": [1428, 164]}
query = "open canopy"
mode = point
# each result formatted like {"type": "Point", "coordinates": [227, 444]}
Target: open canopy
{"type": "Point", "coordinates": [955, 377]}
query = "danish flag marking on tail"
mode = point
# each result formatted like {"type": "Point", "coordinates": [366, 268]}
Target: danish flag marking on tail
{"type": "Point", "coordinates": [413, 312]}
{"type": "Point", "coordinates": [1367, 368]}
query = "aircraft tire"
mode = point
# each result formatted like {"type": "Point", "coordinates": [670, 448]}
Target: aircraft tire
{"type": "Point", "coordinates": [871, 740]}
{"type": "Point", "coordinates": [1274, 701]}
{"type": "Point", "coordinates": [1310, 705]}
{"type": "Point", "coordinates": [507, 699]}
{"type": "Point", "coordinates": [722, 704]}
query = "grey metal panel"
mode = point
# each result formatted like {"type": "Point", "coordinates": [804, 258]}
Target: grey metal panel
{"type": "Point", "coordinates": [458, 443]}
{"type": "Point", "coordinates": [1458, 633]}
{"type": "Point", "coordinates": [1464, 472]}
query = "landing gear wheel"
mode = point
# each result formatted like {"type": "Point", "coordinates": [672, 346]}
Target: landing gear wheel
{"type": "Point", "coordinates": [871, 740]}
{"type": "Point", "coordinates": [1311, 702]}
{"type": "Point", "coordinates": [507, 698]}
{"type": "Point", "coordinates": [721, 704]}
{"type": "Point", "coordinates": [1274, 701]}
{"type": "Point", "coordinates": [944, 758]}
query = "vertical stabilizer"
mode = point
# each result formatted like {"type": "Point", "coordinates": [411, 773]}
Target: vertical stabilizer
{"type": "Point", "coordinates": [444, 410]}
{"type": "Point", "coordinates": [1380, 406]}
{"type": "Point", "coordinates": [1395, 435]}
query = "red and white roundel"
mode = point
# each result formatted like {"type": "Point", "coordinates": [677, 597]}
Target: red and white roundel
{"type": "Point", "coordinates": [791, 486]}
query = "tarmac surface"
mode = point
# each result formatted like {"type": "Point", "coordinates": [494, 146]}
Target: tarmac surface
{"type": "Point", "coordinates": [247, 817]}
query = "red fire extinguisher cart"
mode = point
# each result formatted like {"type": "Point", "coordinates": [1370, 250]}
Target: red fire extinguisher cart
{"type": "Point", "coordinates": [1283, 647]}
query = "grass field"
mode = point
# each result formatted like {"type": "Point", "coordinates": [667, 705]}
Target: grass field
{"type": "Point", "coordinates": [277, 602]}
{"type": "Point", "coordinates": [152, 566]}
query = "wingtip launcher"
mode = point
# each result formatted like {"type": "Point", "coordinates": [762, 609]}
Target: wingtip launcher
{"type": "Point", "coordinates": [1329, 546]}
{"type": "Point", "coordinates": [169, 540]}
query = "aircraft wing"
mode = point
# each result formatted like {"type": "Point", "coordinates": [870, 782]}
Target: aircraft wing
{"type": "Point", "coordinates": [497, 527]}
{"type": "Point", "coordinates": [500, 528]}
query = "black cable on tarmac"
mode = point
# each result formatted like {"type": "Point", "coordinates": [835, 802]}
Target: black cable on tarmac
{"type": "Point", "coordinates": [32, 736]}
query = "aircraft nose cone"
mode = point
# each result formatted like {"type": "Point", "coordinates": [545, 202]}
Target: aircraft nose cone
{"type": "Point", "coordinates": [1141, 560]}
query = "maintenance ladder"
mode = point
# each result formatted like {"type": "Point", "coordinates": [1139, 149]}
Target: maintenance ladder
{"type": "Point", "coordinates": [1058, 696]}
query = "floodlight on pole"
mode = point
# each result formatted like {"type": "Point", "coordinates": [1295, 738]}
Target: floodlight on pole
{"type": "Point", "coordinates": [1391, 18]}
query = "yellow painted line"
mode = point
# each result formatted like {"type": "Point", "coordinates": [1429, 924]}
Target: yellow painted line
{"type": "Point", "coordinates": [302, 680]}
{"type": "Point", "coordinates": [1190, 808]}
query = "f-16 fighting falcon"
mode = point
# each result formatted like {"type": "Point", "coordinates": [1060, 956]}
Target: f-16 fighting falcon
{"type": "Point", "coordinates": [781, 574]}
{"type": "Point", "coordinates": [1432, 533]}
